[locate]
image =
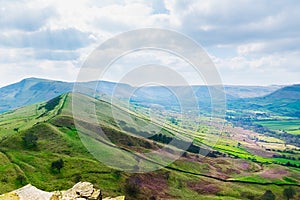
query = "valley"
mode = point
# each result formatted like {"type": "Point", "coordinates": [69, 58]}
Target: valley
{"type": "Point", "coordinates": [240, 157]}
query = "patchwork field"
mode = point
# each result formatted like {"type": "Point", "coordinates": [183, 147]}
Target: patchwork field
{"type": "Point", "coordinates": [289, 126]}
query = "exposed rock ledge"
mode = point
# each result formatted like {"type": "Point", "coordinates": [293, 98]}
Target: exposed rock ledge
{"type": "Point", "coordinates": [80, 191]}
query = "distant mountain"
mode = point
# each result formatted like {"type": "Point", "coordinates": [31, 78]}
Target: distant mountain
{"type": "Point", "coordinates": [250, 91]}
{"type": "Point", "coordinates": [171, 96]}
{"type": "Point", "coordinates": [30, 91]}
{"type": "Point", "coordinates": [33, 90]}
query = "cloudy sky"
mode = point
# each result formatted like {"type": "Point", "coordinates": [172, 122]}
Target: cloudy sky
{"type": "Point", "coordinates": [251, 42]}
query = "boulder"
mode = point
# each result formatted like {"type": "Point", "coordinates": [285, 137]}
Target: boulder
{"type": "Point", "coordinates": [27, 192]}
{"type": "Point", "coordinates": [80, 191]}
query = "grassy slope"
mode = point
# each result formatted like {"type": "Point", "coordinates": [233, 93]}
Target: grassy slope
{"type": "Point", "coordinates": [58, 139]}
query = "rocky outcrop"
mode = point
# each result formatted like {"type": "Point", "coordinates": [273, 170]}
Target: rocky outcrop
{"type": "Point", "coordinates": [80, 191]}
{"type": "Point", "coordinates": [27, 192]}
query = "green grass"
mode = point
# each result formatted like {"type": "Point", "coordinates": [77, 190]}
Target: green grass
{"type": "Point", "coordinates": [254, 178]}
{"type": "Point", "coordinates": [290, 126]}
{"type": "Point", "coordinates": [294, 131]}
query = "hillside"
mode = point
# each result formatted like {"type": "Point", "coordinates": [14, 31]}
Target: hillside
{"type": "Point", "coordinates": [34, 90]}
{"type": "Point", "coordinates": [282, 102]}
{"type": "Point", "coordinates": [285, 101]}
{"type": "Point", "coordinates": [34, 137]}
{"type": "Point", "coordinates": [250, 91]}
{"type": "Point", "coordinates": [288, 92]}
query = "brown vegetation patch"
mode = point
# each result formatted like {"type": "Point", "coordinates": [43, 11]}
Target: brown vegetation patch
{"type": "Point", "coordinates": [274, 173]}
{"type": "Point", "coordinates": [204, 187]}
{"type": "Point", "coordinates": [150, 184]}
{"type": "Point", "coordinates": [222, 161]}
{"type": "Point", "coordinates": [244, 165]}
{"type": "Point", "coordinates": [63, 121]}
{"type": "Point", "coordinates": [231, 171]}
{"type": "Point", "coordinates": [247, 166]}
{"type": "Point", "coordinates": [257, 150]}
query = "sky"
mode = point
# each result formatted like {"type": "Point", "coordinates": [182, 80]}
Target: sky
{"type": "Point", "coordinates": [251, 42]}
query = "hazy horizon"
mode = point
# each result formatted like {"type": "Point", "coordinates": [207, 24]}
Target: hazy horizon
{"type": "Point", "coordinates": [111, 81]}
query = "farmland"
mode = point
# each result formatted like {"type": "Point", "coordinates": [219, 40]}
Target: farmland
{"type": "Point", "coordinates": [288, 126]}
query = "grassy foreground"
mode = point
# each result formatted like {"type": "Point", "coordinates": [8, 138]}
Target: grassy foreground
{"type": "Point", "coordinates": [190, 177]}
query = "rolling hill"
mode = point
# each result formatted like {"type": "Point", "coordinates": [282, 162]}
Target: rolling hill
{"type": "Point", "coordinates": [283, 102]}
{"type": "Point", "coordinates": [34, 137]}
{"type": "Point", "coordinates": [288, 92]}
{"type": "Point", "coordinates": [34, 90]}
{"type": "Point", "coordinates": [30, 91]}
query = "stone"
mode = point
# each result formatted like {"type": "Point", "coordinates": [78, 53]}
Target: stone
{"type": "Point", "coordinates": [30, 192]}
{"type": "Point", "coordinates": [80, 191]}
{"type": "Point", "coordinates": [96, 195]}
{"type": "Point", "coordinates": [83, 189]}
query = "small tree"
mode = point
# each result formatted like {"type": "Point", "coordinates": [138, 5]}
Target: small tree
{"type": "Point", "coordinates": [30, 140]}
{"type": "Point", "coordinates": [21, 179]}
{"type": "Point", "coordinates": [268, 195]}
{"type": "Point", "coordinates": [57, 165]}
{"type": "Point", "coordinates": [78, 178]}
{"type": "Point", "coordinates": [289, 193]}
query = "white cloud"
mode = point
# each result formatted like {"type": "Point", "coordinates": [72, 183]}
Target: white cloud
{"type": "Point", "coordinates": [248, 39]}
{"type": "Point", "coordinates": [56, 70]}
{"type": "Point", "coordinates": [246, 49]}
{"type": "Point", "coordinates": [275, 68]}
{"type": "Point", "coordinates": [65, 39]}
{"type": "Point", "coordinates": [129, 68]}
{"type": "Point", "coordinates": [27, 17]}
